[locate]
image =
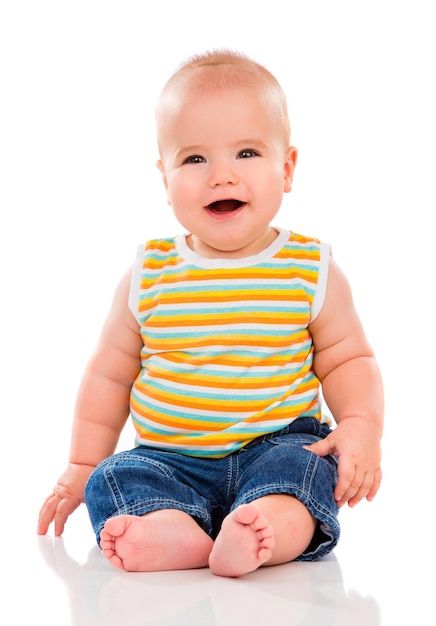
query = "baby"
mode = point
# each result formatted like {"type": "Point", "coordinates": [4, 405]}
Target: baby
{"type": "Point", "coordinates": [217, 344]}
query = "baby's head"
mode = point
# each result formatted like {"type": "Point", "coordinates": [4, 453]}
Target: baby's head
{"type": "Point", "coordinates": [217, 71]}
{"type": "Point", "coordinates": [225, 159]}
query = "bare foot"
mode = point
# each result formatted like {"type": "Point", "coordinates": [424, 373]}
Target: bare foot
{"type": "Point", "coordinates": [162, 540]}
{"type": "Point", "coordinates": [245, 542]}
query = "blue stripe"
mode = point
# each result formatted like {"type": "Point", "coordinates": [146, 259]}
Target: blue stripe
{"type": "Point", "coordinates": [253, 309]}
{"type": "Point", "coordinates": [233, 375]}
{"type": "Point", "coordinates": [213, 287]}
{"type": "Point", "coordinates": [235, 352]}
{"type": "Point", "coordinates": [226, 332]}
{"type": "Point", "coordinates": [175, 414]}
{"type": "Point", "coordinates": [194, 391]}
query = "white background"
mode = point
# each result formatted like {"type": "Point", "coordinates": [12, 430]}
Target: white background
{"type": "Point", "coordinates": [79, 189]}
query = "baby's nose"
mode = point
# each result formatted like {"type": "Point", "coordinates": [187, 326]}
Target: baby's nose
{"type": "Point", "coordinates": [222, 174]}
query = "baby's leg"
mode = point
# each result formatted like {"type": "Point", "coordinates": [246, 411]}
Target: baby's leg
{"type": "Point", "coordinates": [162, 540]}
{"type": "Point", "coordinates": [271, 530]}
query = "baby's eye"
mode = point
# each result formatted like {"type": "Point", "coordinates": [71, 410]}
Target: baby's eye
{"type": "Point", "coordinates": [247, 154]}
{"type": "Point", "coordinates": [195, 158]}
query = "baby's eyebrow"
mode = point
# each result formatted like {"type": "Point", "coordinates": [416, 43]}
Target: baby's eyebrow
{"type": "Point", "coordinates": [189, 150]}
{"type": "Point", "coordinates": [250, 142]}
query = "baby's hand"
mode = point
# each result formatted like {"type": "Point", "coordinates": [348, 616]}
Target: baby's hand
{"type": "Point", "coordinates": [356, 443]}
{"type": "Point", "coordinates": [65, 498]}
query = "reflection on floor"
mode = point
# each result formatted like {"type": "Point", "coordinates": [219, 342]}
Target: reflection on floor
{"type": "Point", "coordinates": [376, 577]}
{"type": "Point", "coordinates": [298, 593]}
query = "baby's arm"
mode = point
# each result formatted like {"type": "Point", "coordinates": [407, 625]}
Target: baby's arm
{"type": "Point", "coordinates": [344, 363]}
{"type": "Point", "coordinates": [102, 408]}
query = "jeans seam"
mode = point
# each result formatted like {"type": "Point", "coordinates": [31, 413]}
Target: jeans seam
{"type": "Point", "coordinates": [232, 474]}
{"type": "Point", "coordinates": [111, 481]}
{"type": "Point", "coordinates": [157, 504]}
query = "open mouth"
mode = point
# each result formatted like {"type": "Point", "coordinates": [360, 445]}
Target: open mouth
{"type": "Point", "coordinates": [225, 206]}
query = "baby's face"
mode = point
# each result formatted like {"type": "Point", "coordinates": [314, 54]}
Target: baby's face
{"type": "Point", "coordinates": [225, 166]}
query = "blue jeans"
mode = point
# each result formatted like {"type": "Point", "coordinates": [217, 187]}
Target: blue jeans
{"type": "Point", "coordinates": [145, 479]}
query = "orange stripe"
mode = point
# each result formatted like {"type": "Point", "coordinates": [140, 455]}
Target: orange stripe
{"type": "Point", "coordinates": [226, 320]}
{"type": "Point", "coordinates": [229, 359]}
{"type": "Point", "coordinates": [276, 274]}
{"type": "Point", "coordinates": [147, 303]}
{"type": "Point", "coordinates": [228, 382]}
{"type": "Point", "coordinates": [180, 343]}
{"type": "Point", "coordinates": [227, 405]}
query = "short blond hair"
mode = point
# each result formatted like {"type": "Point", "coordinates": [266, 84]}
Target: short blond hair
{"type": "Point", "coordinates": [221, 69]}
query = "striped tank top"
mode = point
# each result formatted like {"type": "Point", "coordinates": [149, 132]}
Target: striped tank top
{"type": "Point", "coordinates": [227, 354]}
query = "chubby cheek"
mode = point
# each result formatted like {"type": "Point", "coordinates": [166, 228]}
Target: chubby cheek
{"type": "Point", "coordinates": [183, 194]}
{"type": "Point", "coordinates": [183, 207]}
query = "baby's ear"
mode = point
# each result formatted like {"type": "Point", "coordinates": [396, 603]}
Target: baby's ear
{"type": "Point", "coordinates": [161, 169]}
{"type": "Point", "coordinates": [290, 163]}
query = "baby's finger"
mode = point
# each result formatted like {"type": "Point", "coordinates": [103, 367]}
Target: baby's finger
{"type": "Point", "coordinates": [63, 510]}
{"type": "Point", "coordinates": [363, 490]}
{"type": "Point", "coordinates": [47, 514]}
{"type": "Point", "coordinates": [60, 518]}
{"type": "Point", "coordinates": [375, 485]}
{"type": "Point", "coordinates": [348, 482]}
{"type": "Point", "coordinates": [322, 447]}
